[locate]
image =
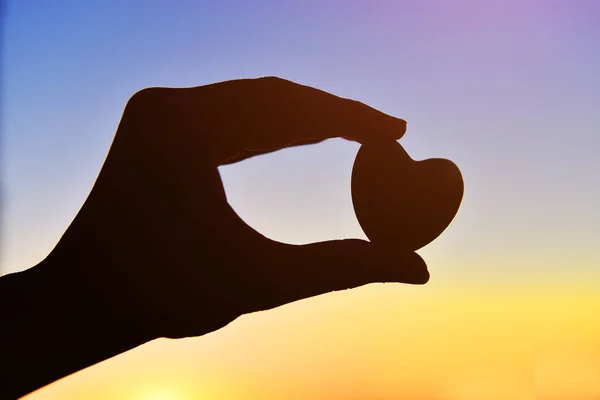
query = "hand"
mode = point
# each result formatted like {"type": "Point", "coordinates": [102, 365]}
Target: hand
{"type": "Point", "coordinates": [157, 227]}
{"type": "Point", "coordinates": [156, 250]}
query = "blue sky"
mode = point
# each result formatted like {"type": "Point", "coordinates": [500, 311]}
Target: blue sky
{"type": "Point", "coordinates": [508, 90]}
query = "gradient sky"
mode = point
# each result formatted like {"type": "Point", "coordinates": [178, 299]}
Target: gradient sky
{"type": "Point", "coordinates": [509, 90]}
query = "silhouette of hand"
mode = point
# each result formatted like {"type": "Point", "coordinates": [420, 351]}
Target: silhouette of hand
{"type": "Point", "coordinates": [160, 242]}
{"type": "Point", "coordinates": [156, 250]}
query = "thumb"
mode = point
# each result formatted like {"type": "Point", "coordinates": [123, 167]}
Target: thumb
{"type": "Point", "coordinates": [318, 268]}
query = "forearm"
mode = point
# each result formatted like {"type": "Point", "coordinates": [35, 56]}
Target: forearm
{"type": "Point", "coordinates": [55, 324]}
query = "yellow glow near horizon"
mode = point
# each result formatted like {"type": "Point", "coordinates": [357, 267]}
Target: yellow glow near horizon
{"type": "Point", "coordinates": [162, 394]}
{"type": "Point", "coordinates": [380, 341]}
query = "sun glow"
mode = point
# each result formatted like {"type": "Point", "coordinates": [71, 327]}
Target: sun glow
{"type": "Point", "coordinates": [162, 393]}
{"type": "Point", "coordinates": [382, 340]}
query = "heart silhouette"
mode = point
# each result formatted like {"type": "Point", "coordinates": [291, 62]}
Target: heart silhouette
{"type": "Point", "coordinates": [402, 202]}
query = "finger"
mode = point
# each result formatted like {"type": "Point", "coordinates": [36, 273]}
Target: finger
{"type": "Point", "coordinates": [319, 268]}
{"type": "Point", "coordinates": [254, 116]}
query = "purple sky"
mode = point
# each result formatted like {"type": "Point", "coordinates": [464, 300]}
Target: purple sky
{"type": "Point", "coordinates": [508, 90]}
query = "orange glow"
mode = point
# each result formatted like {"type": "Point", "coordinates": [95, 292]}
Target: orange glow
{"type": "Point", "coordinates": [380, 341]}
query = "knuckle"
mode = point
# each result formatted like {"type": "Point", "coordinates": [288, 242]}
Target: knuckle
{"type": "Point", "coordinates": [144, 98]}
{"type": "Point", "coordinates": [272, 79]}
{"type": "Point", "coordinates": [149, 107]}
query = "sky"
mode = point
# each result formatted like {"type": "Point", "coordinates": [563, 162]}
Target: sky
{"type": "Point", "coordinates": [508, 90]}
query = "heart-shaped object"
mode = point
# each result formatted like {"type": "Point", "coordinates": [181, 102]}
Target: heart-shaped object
{"type": "Point", "coordinates": [402, 202]}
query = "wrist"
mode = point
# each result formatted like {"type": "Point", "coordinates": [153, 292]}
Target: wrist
{"type": "Point", "coordinates": [56, 322]}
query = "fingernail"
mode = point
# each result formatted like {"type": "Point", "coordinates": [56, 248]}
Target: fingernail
{"type": "Point", "coordinates": [418, 269]}
{"type": "Point", "coordinates": [421, 276]}
{"type": "Point", "coordinates": [403, 126]}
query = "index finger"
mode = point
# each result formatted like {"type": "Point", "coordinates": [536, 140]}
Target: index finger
{"type": "Point", "coordinates": [257, 116]}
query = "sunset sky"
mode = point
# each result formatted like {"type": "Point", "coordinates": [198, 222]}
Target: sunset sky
{"type": "Point", "coordinates": [509, 90]}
